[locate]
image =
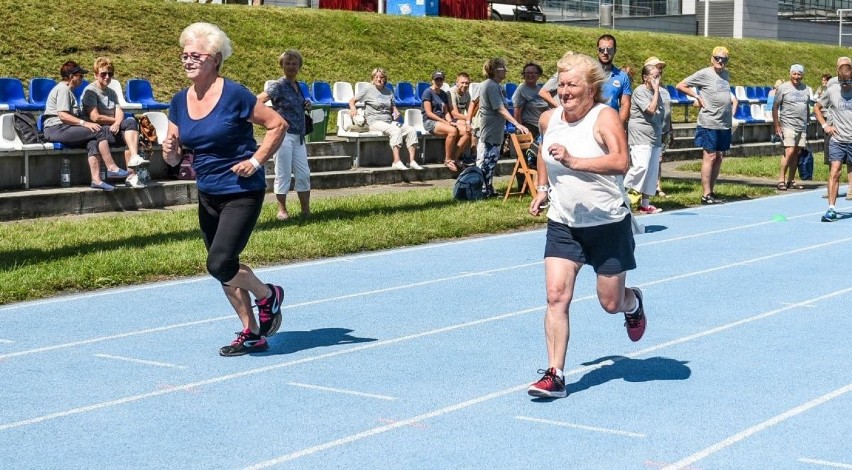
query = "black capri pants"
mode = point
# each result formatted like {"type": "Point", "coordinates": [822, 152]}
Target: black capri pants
{"type": "Point", "coordinates": [227, 221]}
{"type": "Point", "coordinates": [128, 124]}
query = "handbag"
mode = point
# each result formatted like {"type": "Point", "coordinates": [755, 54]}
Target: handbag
{"type": "Point", "coordinates": [309, 124]}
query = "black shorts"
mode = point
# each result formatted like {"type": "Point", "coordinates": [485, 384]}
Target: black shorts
{"type": "Point", "coordinates": [608, 248]}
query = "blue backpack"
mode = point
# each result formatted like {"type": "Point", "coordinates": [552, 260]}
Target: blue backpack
{"type": "Point", "coordinates": [469, 184]}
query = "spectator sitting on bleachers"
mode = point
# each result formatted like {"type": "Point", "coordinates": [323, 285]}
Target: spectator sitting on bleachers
{"type": "Point", "coordinates": [460, 99]}
{"type": "Point", "coordinates": [528, 105]}
{"type": "Point", "coordinates": [64, 125]}
{"type": "Point", "coordinates": [100, 106]}
{"type": "Point", "coordinates": [438, 119]}
{"type": "Point", "coordinates": [382, 115]}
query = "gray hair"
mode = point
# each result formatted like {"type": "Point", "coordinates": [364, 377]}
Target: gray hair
{"type": "Point", "coordinates": [290, 54]}
{"type": "Point", "coordinates": [209, 36]}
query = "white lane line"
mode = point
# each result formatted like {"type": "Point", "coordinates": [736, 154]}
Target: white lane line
{"type": "Point", "coordinates": [203, 278]}
{"type": "Point", "coordinates": [401, 287]}
{"type": "Point", "coordinates": [685, 462]}
{"type": "Point", "coordinates": [231, 316]}
{"type": "Point", "coordinates": [518, 388]}
{"type": "Point", "coordinates": [826, 463]}
{"type": "Point", "coordinates": [580, 426]}
{"type": "Point", "coordinates": [6, 341]}
{"type": "Point", "coordinates": [140, 361]}
{"type": "Point", "coordinates": [262, 370]}
{"type": "Point", "coordinates": [343, 391]}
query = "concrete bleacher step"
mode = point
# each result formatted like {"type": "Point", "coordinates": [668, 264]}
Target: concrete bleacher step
{"type": "Point", "coordinates": [33, 203]}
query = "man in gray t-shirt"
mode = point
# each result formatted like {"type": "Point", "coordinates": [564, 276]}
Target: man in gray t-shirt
{"type": "Point", "coordinates": [713, 133]}
{"type": "Point", "coordinates": [839, 100]}
{"type": "Point", "coordinates": [790, 113]}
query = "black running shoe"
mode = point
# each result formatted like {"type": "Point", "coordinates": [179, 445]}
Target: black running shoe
{"type": "Point", "coordinates": [246, 342]}
{"type": "Point", "coordinates": [269, 311]}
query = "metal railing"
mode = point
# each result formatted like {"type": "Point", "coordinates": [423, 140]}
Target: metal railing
{"type": "Point", "coordinates": [590, 9]}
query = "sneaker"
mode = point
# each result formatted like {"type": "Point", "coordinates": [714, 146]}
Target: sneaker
{"type": "Point", "coordinates": [716, 197]}
{"type": "Point", "coordinates": [635, 322]}
{"type": "Point", "coordinates": [137, 160]}
{"type": "Point", "coordinates": [269, 311]}
{"type": "Point", "coordinates": [133, 182]}
{"type": "Point", "coordinates": [830, 216]}
{"type": "Point", "coordinates": [414, 165]}
{"type": "Point", "coordinates": [649, 210]}
{"type": "Point", "coordinates": [710, 199]}
{"type": "Point", "coordinates": [246, 342]}
{"type": "Point", "coordinates": [399, 165]}
{"type": "Point", "coordinates": [549, 386]}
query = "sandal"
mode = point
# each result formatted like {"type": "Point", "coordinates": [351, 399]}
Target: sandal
{"type": "Point", "coordinates": [781, 186]}
{"type": "Point", "coordinates": [794, 185]}
{"type": "Point", "coordinates": [451, 165]}
{"type": "Point", "coordinates": [661, 193]}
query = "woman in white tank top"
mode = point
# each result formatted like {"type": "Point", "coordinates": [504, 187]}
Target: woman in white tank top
{"type": "Point", "coordinates": [581, 164]}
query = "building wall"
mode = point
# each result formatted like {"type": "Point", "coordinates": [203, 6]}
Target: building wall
{"type": "Point", "coordinates": [806, 31]}
{"type": "Point", "coordinates": [677, 24]}
{"type": "Point", "coordinates": [759, 19]}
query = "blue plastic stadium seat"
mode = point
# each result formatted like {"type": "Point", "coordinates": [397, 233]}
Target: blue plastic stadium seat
{"type": "Point", "coordinates": [140, 91]}
{"type": "Point", "coordinates": [421, 87]}
{"type": "Point", "coordinates": [12, 95]}
{"type": "Point", "coordinates": [39, 88]}
{"type": "Point", "coordinates": [405, 96]}
{"type": "Point", "coordinates": [743, 113]}
{"type": "Point", "coordinates": [78, 92]}
{"type": "Point", "coordinates": [321, 91]}
{"type": "Point", "coordinates": [306, 92]}
{"type": "Point", "coordinates": [752, 94]}
{"type": "Point", "coordinates": [40, 126]}
{"type": "Point", "coordinates": [510, 91]}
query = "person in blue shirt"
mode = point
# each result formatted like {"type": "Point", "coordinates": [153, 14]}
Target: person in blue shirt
{"type": "Point", "coordinates": [212, 123]}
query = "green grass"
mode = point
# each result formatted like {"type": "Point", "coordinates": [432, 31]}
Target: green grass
{"type": "Point", "coordinates": [759, 167]}
{"type": "Point", "coordinates": [141, 36]}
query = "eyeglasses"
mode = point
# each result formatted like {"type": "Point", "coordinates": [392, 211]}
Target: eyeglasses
{"type": "Point", "coordinates": [720, 59]}
{"type": "Point", "coordinates": [106, 74]}
{"type": "Point", "coordinates": [606, 50]}
{"type": "Point", "coordinates": [193, 57]}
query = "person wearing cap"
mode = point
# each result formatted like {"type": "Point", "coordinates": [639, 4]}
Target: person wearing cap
{"type": "Point", "coordinates": [64, 124]}
{"type": "Point", "coordinates": [437, 116]}
{"type": "Point", "coordinates": [667, 136]}
{"type": "Point", "coordinates": [100, 105]}
{"type": "Point", "coordinates": [381, 114]}
{"type": "Point", "coordinates": [493, 115]}
{"type": "Point", "coordinates": [527, 103]}
{"type": "Point", "coordinates": [715, 118]}
{"type": "Point", "coordinates": [790, 116]}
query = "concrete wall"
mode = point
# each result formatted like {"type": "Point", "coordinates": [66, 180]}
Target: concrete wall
{"type": "Point", "coordinates": [759, 19]}
{"type": "Point", "coordinates": [805, 31]}
{"type": "Point", "coordinates": [678, 24]}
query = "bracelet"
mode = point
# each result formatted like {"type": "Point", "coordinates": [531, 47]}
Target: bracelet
{"type": "Point", "coordinates": [255, 163]}
{"type": "Point", "coordinates": [825, 125]}
{"type": "Point", "coordinates": [82, 122]}
{"type": "Point", "coordinates": [543, 188]}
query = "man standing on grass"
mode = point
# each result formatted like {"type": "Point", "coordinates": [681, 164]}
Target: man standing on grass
{"type": "Point", "coordinates": [827, 113]}
{"type": "Point", "coordinates": [790, 114]}
{"type": "Point", "coordinates": [713, 133]}
{"type": "Point", "coordinates": [837, 99]}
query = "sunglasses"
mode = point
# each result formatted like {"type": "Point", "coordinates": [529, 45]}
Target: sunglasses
{"type": "Point", "coordinates": [438, 79]}
{"type": "Point", "coordinates": [606, 50]}
{"type": "Point", "coordinates": [106, 74]}
{"type": "Point", "coordinates": [720, 59]}
{"type": "Point", "coordinates": [193, 57]}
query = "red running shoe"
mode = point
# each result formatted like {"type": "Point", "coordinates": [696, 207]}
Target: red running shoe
{"type": "Point", "coordinates": [269, 311]}
{"type": "Point", "coordinates": [549, 386]}
{"type": "Point", "coordinates": [635, 322]}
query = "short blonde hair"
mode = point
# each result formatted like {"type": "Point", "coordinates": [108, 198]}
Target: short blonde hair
{"type": "Point", "coordinates": [720, 50]}
{"type": "Point", "coordinates": [377, 71]}
{"type": "Point", "coordinates": [209, 36]}
{"type": "Point", "coordinates": [102, 62]}
{"type": "Point", "coordinates": [288, 54]}
{"type": "Point", "coordinates": [595, 75]}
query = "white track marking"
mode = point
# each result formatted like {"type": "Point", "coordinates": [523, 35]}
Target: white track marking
{"type": "Point", "coordinates": [140, 361]}
{"type": "Point", "coordinates": [340, 390]}
{"type": "Point", "coordinates": [317, 262]}
{"type": "Point", "coordinates": [826, 463]}
{"type": "Point", "coordinates": [401, 287]}
{"type": "Point", "coordinates": [758, 428]}
{"type": "Point", "coordinates": [580, 426]}
{"type": "Point", "coordinates": [6, 341]}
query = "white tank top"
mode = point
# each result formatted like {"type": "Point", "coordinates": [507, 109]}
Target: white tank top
{"type": "Point", "coordinates": [578, 198]}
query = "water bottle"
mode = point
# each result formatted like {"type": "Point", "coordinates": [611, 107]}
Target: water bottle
{"type": "Point", "coordinates": [65, 173]}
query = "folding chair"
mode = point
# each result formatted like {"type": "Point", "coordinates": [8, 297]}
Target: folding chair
{"type": "Point", "coordinates": [521, 143]}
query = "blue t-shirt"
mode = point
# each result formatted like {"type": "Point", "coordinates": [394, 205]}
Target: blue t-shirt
{"type": "Point", "coordinates": [616, 85]}
{"type": "Point", "coordinates": [220, 140]}
{"type": "Point", "coordinates": [439, 100]}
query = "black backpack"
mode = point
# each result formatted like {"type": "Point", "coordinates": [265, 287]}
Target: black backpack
{"type": "Point", "coordinates": [469, 184]}
{"type": "Point", "coordinates": [26, 128]}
